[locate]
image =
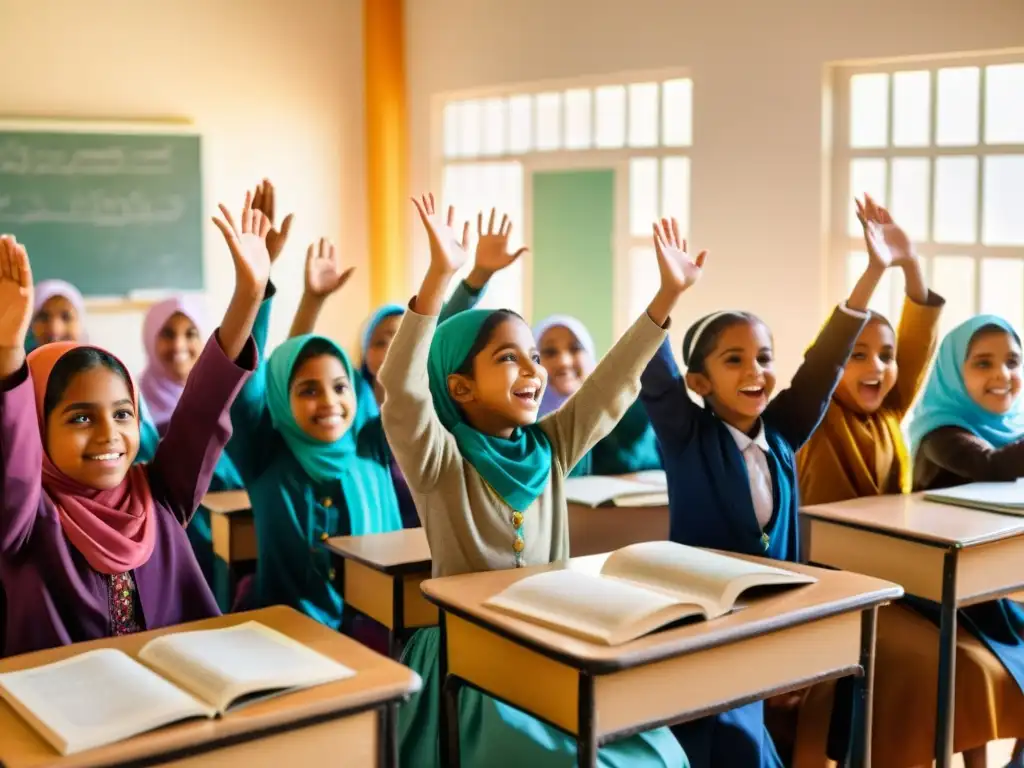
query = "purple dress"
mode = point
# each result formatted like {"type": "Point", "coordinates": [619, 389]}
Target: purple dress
{"type": "Point", "coordinates": [54, 597]}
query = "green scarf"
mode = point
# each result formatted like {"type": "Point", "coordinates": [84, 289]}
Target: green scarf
{"type": "Point", "coordinates": [518, 467]}
{"type": "Point", "coordinates": [358, 459]}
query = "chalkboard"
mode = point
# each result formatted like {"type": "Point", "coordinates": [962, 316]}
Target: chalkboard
{"type": "Point", "coordinates": [111, 213]}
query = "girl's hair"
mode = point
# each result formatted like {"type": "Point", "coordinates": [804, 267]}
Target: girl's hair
{"type": "Point", "coordinates": [878, 317]}
{"type": "Point", "coordinates": [709, 332]}
{"type": "Point", "coordinates": [483, 337]}
{"type": "Point", "coordinates": [985, 330]}
{"type": "Point", "coordinates": [73, 363]}
{"type": "Point", "coordinates": [314, 348]}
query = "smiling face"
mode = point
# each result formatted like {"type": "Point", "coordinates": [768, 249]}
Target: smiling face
{"type": "Point", "coordinates": [565, 359]}
{"type": "Point", "coordinates": [322, 399]}
{"type": "Point", "coordinates": [56, 320]}
{"type": "Point", "coordinates": [992, 372]}
{"type": "Point", "coordinates": [738, 375]}
{"type": "Point", "coordinates": [92, 432]}
{"type": "Point", "coordinates": [380, 342]}
{"type": "Point", "coordinates": [178, 346]}
{"type": "Point", "coordinates": [507, 380]}
{"type": "Point", "coordinates": [870, 373]}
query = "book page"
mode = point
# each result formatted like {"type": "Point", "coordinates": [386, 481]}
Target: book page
{"type": "Point", "coordinates": [655, 477]}
{"type": "Point", "coordinates": [988, 495]}
{"type": "Point", "coordinates": [220, 665]}
{"type": "Point", "coordinates": [595, 490]}
{"type": "Point", "coordinates": [602, 610]}
{"type": "Point", "coordinates": [97, 698]}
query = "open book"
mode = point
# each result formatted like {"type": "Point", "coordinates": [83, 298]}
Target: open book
{"type": "Point", "coordinates": [603, 491]}
{"type": "Point", "coordinates": [993, 497]}
{"type": "Point", "coordinates": [99, 697]}
{"type": "Point", "coordinates": [640, 588]}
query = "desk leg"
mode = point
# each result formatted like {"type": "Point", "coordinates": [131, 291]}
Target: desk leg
{"type": "Point", "coordinates": [397, 617]}
{"type": "Point", "coordinates": [387, 737]}
{"type": "Point", "coordinates": [448, 714]}
{"type": "Point", "coordinates": [947, 664]}
{"type": "Point", "coordinates": [586, 737]}
{"type": "Point", "coordinates": [863, 692]}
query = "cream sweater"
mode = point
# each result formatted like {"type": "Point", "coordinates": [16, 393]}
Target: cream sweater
{"type": "Point", "coordinates": [468, 526]}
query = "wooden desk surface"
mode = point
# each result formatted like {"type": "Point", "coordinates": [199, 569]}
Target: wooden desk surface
{"type": "Point", "coordinates": [911, 517]}
{"type": "Point", "coordinates": [226, 502]}
{"type": "Point", "coordinates": [396, 552]}
{"type": "Point", "coordinates": [377, 680]}
{"type": "Point", "coordinates": [835, 592]}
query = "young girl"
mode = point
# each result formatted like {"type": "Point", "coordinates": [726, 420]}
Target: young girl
{"type": "Point", "coordinates": [460, 410]}
{"type": "Point", "coordinates": [731, 466]}
{"type": "Point", "coordinates": [58, 314]}
{"type": "Point", "coordinates": [91, 546]}
{"type": "Point", "coordinates": [567, 353]}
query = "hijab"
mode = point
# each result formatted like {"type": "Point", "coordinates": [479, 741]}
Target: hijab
{"type": "Point", "coordinates": [113, 529]}
{"type": "Point", "coordinates": [366, 399]}
{"type": "Point", "coordinates": [46, 290]}
{"type": "Point", "coordinates": [160, 391]}
{"type": "Point", "coordinates": [552, 399]}
{"type": "Point", "coordinates": [361, 469]}
{"type": "Point", "coordinates": [518, 467]}
{"type": "Point", "coordinates": [946, 402]}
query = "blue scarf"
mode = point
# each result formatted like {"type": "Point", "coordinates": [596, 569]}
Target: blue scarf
{"type": "Point", "coordinates": [946, 402]}
{"type": "Point", "coordinates": [518, 467]}
{"type": "Point", "coordinates": [365, 398]}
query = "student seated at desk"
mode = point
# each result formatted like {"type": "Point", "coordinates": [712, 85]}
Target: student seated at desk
{"type": "Point", "coordinates": [731, 466]}
{"type": "Point", "coordinates": [58, 314]}
{"type": "Point", "coordinates": [568, 354]}
{"type": "Point", "coordinates": [460, 410]}
{"type": "Point", "coordinates": [92, 546]}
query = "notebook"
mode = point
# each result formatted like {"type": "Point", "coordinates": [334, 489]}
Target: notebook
{"type": "Point", "coordinates": [101, 697]}
{"type": "Point", "coordinates": [1007, 498]}
{"type": "Point", "coordinates": [601, 491]}
{"type": "Point", "coordinates": [640, 588]}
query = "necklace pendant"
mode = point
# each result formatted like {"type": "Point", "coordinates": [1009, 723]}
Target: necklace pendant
{"type": "Point", "coordinates": [765, 541]}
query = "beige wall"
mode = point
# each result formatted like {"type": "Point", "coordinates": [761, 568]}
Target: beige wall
{"type": "Point", "coordinates": [275, 88]}
{"type": "Point", "coordinates": [758, 68]}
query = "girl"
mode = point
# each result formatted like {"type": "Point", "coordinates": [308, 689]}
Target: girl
{"type": "Point", "coordinates": [567, 353]}
{"type": "Point", "coordinates": [730, 464]}
{"type": "Point", "coordinates": [58, 314]}
{"type": "Point", "coordinates": [91, 546]}
{"type": "Point", "coordinates": [488, 479]}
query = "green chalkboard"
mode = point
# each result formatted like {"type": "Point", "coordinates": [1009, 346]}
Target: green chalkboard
{"type": "Point", "coordinates": [111, 213]}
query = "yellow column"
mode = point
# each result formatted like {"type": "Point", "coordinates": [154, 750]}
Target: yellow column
{"type": "Point", "coordinates": [386, 148]}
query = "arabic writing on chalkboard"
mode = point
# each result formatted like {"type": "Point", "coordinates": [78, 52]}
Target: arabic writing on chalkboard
{"type": "Point", "coordinates": [97, 207]}
{"type": "Point", "coordinates": [19, 159]}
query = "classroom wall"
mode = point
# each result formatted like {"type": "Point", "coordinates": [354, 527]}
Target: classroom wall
{"type": "Point", "coordinates": [758, 186]}
{"type": "Point", "coordinates": [275, 88]}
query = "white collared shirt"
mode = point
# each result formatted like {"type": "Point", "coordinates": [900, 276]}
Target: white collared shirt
{"type": "Point", "coordinates": [755, 450]}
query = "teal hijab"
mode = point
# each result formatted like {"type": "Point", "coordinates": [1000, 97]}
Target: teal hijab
{"type": "Point", "coordinates": [518, 467]}
{"type": "Point", "coordinates": [357, 459]}
{"type": "Point", "coordinates": [946, 402]}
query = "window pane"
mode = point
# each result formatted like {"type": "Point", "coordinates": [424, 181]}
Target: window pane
{"type": "Point", "coordinates": [675, 191]}
{"type": "Point", "coordinates": [677, 113]}
{"type": "Point", "coordinates": [643, 195]}
{"type": "Point", "coordinates": [504, 189]}
{"type": "Point", "coordinates": [470, 129]}
{"type": "Point", "coordinates": [549, 121]}
{"type": "Point", "coordinates": [867, 175]}
{"type": "Point", "coordinates": [644, 279]}
{"type": "Point", "coordinates": [610, 108]}
{"type": "Point", "coordinates": [956, 191]}
{"type": "Point", "coordinates": [957, 115]}
{"type": "Point", "coordinates": [577, 118]}
{"type": "Point", "coordinates": [1002, 217]}
{"type": "Point", "coordinates": [869, 110]}
{"type": "Point", "coordinates": [1002, 289]}
{"type": "Point", "coordinates": [1004, 104]}
{"type": "Point", "coordinates": [910, 188]}
{"type": "Point", "coordinates": [643, 114]}
{"type": "Point", "coordinates": [882, 299]}
{"type": "Point", "coordinates": [452, 117]}
{"type": "Point", "coordinates": [520, 124]}
{"type": "Point", "coordinates": [953, 277]}
{"type": "Point", "coordinates": [495, 124]}
{"type": "Point", "coordinates": [911, 108]}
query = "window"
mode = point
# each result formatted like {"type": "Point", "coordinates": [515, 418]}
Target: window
{"type": "Point", "coordinates": [942, 146]}
{"type": "Point", "coordinates": [640, 127]}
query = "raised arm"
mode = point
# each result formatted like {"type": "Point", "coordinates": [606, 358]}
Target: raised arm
{"type": "Point", "coordinates": [324, 276]}
{"type": "Point", "coordinates": [666, 399]}
{"type": "Point", "coordinates": [965, 454]}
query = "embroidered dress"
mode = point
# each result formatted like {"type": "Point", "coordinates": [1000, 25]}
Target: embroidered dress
{"type": "Point", "coordinates": [123, 601]}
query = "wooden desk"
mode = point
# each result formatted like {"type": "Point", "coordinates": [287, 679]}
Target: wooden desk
{"type": "Point", "coordinates": [598, 693]}
{"type": "Point", "coordinates": [234, 540]}
{"type": "Point", "coordinates": [952, 555]}
{"type": "Point", "coordinates": [597, 530]}
{"type": "Point", "coordinates": [306, 728]}
{"type": "Point", "coordinates": [379, 576]}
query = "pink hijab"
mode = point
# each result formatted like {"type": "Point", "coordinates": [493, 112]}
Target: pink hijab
{"type": "Point", "coordinates": [47, 289]}
{"type": "Point", "coordinates": [160, 391]}
{"type": "Point", "coordinates": [114, 530]}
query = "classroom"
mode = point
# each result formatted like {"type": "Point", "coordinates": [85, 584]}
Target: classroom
{"type": "Point", "coordinates": [701, 445]}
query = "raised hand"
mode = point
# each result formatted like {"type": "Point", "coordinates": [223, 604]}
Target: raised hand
{"type": "Point", "coordinates": [324, 274]}
{"type": "Point", "coordinates": [492, 253]}
{"type": "Point", "coordinates": [263, 201]}
{"type": "Point", "coordinates": [888, 245]}
{"type": "Point", "coordinates": [248, 245]}
{"type": "Point", "coordinates": [447, 252]}
{"type": "Point", "coordinates": [678, 270]}
{"type": "Point", "coordinates": [15, 297]}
